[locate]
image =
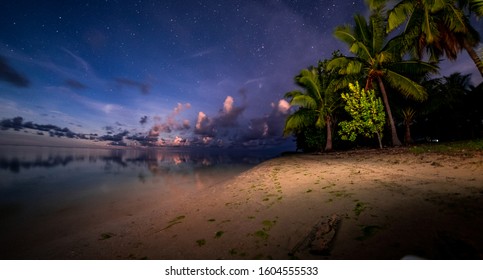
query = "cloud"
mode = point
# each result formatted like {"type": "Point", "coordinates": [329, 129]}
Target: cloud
{"type": "Point", "coordinates": [228, 105]}
{"type": "Point", "coordinates": [267, 130]}
{"type": "Point", "coordinates": [186, 124]}
{"type": "Point", "coordinates": [143, 120]}
{"type": "Point", "coordinates": [283, 106]}
{"type": "Point", "coordinates": [204, 125]}
{"type": "Point", "coordinates": [143, 87]}
{"type": "Point", "coordinates": [171, 123]}
{"type": "Point", "coordinates": [80, 61]}
{"type": "Point", "coordinates": [11, 76]}
{"type": "Point", "coordinates": [227, 119]}
{"type": "Point", "coordinates": [228, 128]}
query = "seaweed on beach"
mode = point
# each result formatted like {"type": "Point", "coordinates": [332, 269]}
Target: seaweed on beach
{"type": "Point", "coordinates": [173, 222]}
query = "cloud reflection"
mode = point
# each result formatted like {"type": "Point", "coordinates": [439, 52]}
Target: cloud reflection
{"type": "Point", "coordinates": [156, 161]}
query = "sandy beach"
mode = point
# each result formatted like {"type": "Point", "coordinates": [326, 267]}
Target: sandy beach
{"type": "Point", "coordinates": [370, 204]}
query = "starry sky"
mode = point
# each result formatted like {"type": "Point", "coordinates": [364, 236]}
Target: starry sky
{"type": "Point", "coordinates": [203, 72]}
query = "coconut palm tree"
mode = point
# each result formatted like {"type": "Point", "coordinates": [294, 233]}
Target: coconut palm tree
{"type": "Point", "coordinates": [409, 115]}
{"type": "Point", "coordinates": [378, 59]}
{"type": "Point", "coordinates": [316, 102]}
{"type": "Point", "coordinates": [440, 27]}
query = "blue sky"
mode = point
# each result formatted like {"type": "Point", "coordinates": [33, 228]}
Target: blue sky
{"type": "Point", "coordinates": [199, 70]}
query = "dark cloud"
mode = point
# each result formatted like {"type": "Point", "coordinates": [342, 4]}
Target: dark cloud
{"type": "Point", "coordinates": [10, 75]}
{"type": "Point", "coordinates": [143, 140]}
{"type": "Point", "coordinates": [143, 88]}
{"type": "Point", "coordinates": [18, 124]}
{"type": "Point", "coordinates": [227, 119]}
{"type": "Point", "coordinates": [268, 127]}
{"type": "Point", "coordinates": [115, 138]}
{"type": "Point", "coordinates": [228, 129]}
{"type": "Point", "coordinates": [143, 120]}
{"type": "Point", "coordinates": [74, 84]}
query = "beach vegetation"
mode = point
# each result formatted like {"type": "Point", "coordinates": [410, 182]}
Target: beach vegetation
{"type": "Point", "coordinates": [379, 61]}
{"type": "Point", "coordinates": [106, 235]}
{"type": "Point", "coordinates": [267, 224]}
{"type": "Point", "coordinates": [438, 28]}
{"type": "Point", "coordinates": [367, 114]}
{"type": "Point", "coordinates": [219, 234]}
{"type": "Point", "coordinates": [317, 103]}
{"type": "Point", "coordinates": [359, 208]}
{"type": "Point", "coordinates": [262, 234]}
{"type": "Point", "coordinates": [457, 147]}
{"type": "Point", "coordinates": [368, 231]}
{"type": "Point", "coordinates": [395, 51]}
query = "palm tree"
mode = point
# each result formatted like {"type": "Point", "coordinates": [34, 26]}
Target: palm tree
{"type": "Point", "coordinates": [438, 26]}
{"type": "Point", "coordinates": [409, 115]}
{"type": "Point", "coordinates": [316, 103]}
{"type": "Point", "coordinates": [453, 107]}
{"type": "Point", "coordinates": [379, 59]}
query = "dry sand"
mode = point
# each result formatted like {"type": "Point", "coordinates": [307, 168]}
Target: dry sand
{"type": "Point", "coordinates": [392, 203]}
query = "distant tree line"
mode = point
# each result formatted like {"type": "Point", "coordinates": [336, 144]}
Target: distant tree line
{"type": "Point", "coordinates": [395, 53]}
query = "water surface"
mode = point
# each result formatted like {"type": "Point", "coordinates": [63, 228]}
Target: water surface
{"type": "Point", "coordinates": [47, 194]}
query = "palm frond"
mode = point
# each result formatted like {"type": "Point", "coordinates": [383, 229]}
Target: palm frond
{"type": "Point", "coordinates": [346, 65]}
{"type": "Point", "coordinates": [414, 67]}
{"type": "Point", "coordinates": [398, 45]}
{"type": "Point", "coordinates": [378, 31]}
{"type": "Point", "coordinates": [292, 94]}
{"type": "Point", "coordinates": [455, 19]}
{"type": "Point", "coordinates": [310, 81]}
{"type": "Point", "coordinates": [361, 30]}
{"type": "Point", "coordinates": [476, 6]}
{"type": "Point", "coordinates": [399, 14]}
{"type": "Point", "coordinates": [406, 86]}
{"type": "Point", "coordinates": [304, 101]}
{"type": "Point", "coordinates": [361, 50]}
{"type": "Point", "coordinates": [344, 33]}
{"type": "Point", "coordinates": [298, 120]}
{"type": "Point", "coordinates": [438, 5]}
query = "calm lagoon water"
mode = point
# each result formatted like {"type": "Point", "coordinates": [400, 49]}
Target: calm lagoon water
{"type": "Point", "coordinates": [50, 193]}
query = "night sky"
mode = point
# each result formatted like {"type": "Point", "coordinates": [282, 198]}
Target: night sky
{"type": "Point", "coordinates": [210, 72]}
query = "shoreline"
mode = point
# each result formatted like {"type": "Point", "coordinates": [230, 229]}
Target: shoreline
{"type": "Point", "coordinates": [390, 203]}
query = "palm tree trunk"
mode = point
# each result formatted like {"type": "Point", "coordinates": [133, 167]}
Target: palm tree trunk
{"type": "Point", "coordinates": [407, 137]}
{"type": "Point", "coordinates": [475, 57]}
{"type": "Point", "coordinates": [395, 139]}
{"type": "Point", "coordinates": [328, 124]}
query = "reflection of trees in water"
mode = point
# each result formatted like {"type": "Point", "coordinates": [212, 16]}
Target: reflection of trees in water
{"type": "Point", "coordinates": [156, 161]}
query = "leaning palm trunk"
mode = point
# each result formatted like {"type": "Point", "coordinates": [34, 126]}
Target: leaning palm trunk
{"type": "Point", "coordinates": [474, 56]}
{"type": "Point", "coordinates": [328, 144]}
{"type": "Point", "coordinates": [395, 139]}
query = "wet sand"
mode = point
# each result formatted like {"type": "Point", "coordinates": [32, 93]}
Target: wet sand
{"type": "Point", "coordinates": [391, 203]}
